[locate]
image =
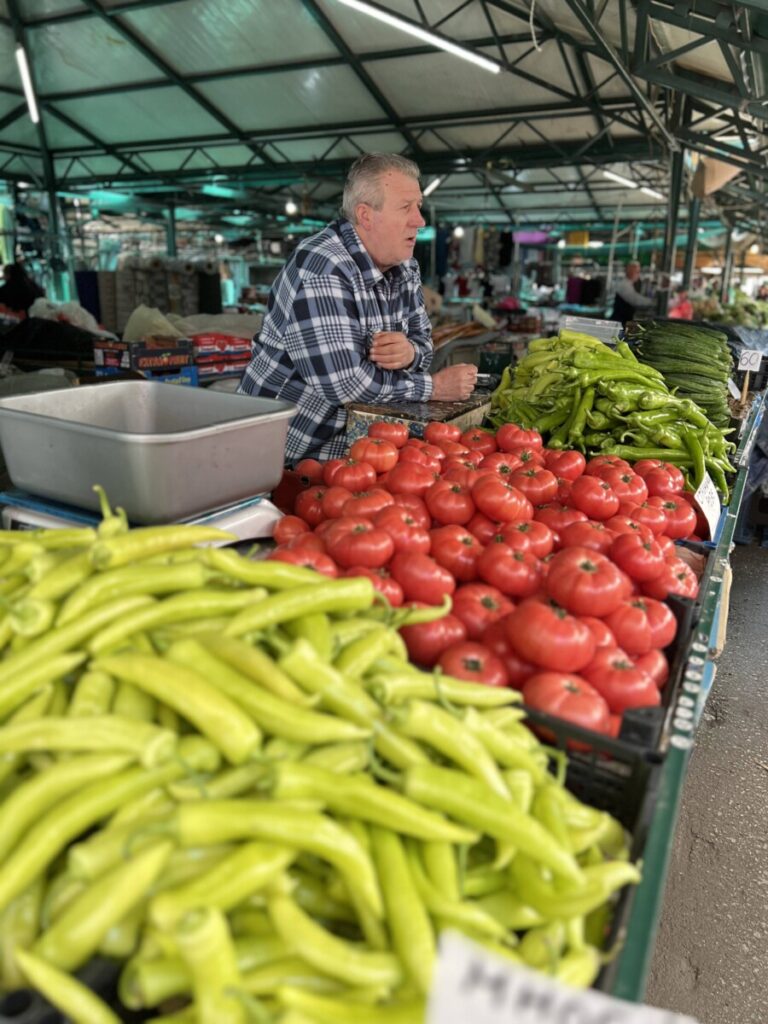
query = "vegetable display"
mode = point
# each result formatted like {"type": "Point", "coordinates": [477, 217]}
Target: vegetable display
{"type": "Point", "coordinates": [579, 393]}
{"type": "Point", "coordinates": [289, 811]}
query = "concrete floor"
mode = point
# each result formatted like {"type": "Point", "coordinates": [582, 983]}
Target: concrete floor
{"type": "Point", "coordinates": [711, 954]}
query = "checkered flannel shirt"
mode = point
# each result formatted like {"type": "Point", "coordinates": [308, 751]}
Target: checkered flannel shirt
{"type": "Point", "coordinates": [326, 304]}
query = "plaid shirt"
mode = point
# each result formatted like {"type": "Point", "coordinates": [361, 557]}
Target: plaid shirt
{"type": "Point", "coordinates": [326, 304]}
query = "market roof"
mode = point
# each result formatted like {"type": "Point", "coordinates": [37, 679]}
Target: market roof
{"type": "Point", "coordinates": [247, 102]}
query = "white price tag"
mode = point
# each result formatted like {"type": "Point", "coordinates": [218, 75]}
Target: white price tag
{"type": "Point", "coordinates": [473, 985]}
{"type": "Point", "coordinates": [708, 500]}
{"type": "Point", "coordinates": [750, 359]}
{"type": "Point", "coordinates": [733, 391]}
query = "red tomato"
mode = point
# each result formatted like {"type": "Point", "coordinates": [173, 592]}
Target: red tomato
{"type": "Point", "coordinates": [290, 487]}
{"type": "Point", "coordinates": [475, 663]}
{"type": "Point", "coordinates": [478, 605]}
{"type": "Point", "coordinates": [308, 558]}
{"type": "Point", "coordinates": [677, 577]}
{"type": "Point", "coordinates": [453, 448]}
{"type": "Point", "coordinates": [641, 624]}
{"type": "Point", "coordinates": [594, 497]}
{"type": "Point", "coordinates": [495, 639]}
{"type": "Point", "coordinates": [528, 456]}
{"type": "Point", "coordinates": [511, 436]}
{"type": "Point", "coordinates": [434, 451]}
{"type": "Point", "coordinates": [462, 473]}
{"type": "Point", "coordinates": [382, 580]}
{"type": "Point", "coordinates": [640, 559]}
{"type": "Point", "coordinates": [681, 519]}
{"type": "Point", "coordinates": [410, 478]}
{"type": "Point", "coordinates": [667, 545]}
{"type": "Point", "coordinates": [436, 432]}
{"type": "Point", "coordinates": [287, 528]}
{"type": "Point", "coordinates": [565, 464]}
{"type": "Point", "coordinates": [600, 631]}
{"type": "Point", "coordinates": [557, 516]}
{"type": "Point", "coordinates": [354, 475]}
{"type": "Point", "coordinates": [499, 500]}
{"type": "Point", "coordinates": [457, 550]}
{"type": "Point", "coordinates": [368, 503]}
{"type": "Point", "coordinates": [655, 664]}
{"type": "Point", "coordinates": [306, 542]}
{"type": "Point", "coordinates": [537, 484]}
{"type": "Point", "coordinates": [585, 582]}
{"type": "Point", "coordinates": [415, 442]}
{"type": "Point", "coordinates": [309, 505]}
{"type": "Point", "coordinates": [427, 640]}
{"type": "Point", "coordinates": [450, 502]}
{"type": "Point", "coordinates": [416, 507]}
{"type": "Point", "coordinates": [514, 573]}
{"type": "Point", "coordinates": [587, 534]}
{"type": "Point", "coordinates": [622, 524]}
{"type": "Point", "coordinates": [628, 486]}
{"type": "Point", "coordinates": [661, 482]}
{"type": "Point", "coordinates": [528, 536]}
{"type": "Point", "coordinates": [569, 697]}
{"type": "Point", "coordinates": [422, 578]}
{"type": "Point", "coordinates": [380, 454]}
{"type": "Point", "coordinates": [501, 463]}
{"type": "Point", "coordinates": [334, 500]}
{"type": "Point", "coordinates": [404, 528]}
{"type": "Point", "coordinates": [479, 440]}
{"type": "Point", "coordinates": [482, 527]}
{"type": "Point", "coordinates": [356, 541]}
{"type": "Point", "coordinates": [645, 514]}
{"type": "Point", "coordinates": [329, 469]}
{"type": "Point", "coordinates": [620, 682]}
{"type": "Point", "coordinates": [563, 490]}
{"type": "Point", "coordinates": [395, 433]}
{"type": "Point", "coordinates": [310, 470]}
{"type": "Point", "coordinates": [419, 457]}
{"type": "Point", "coordinates": [599, 463]}
{"type": "Point", "coordinates": [546, 635]}
{"type": "Point", "coordinates": [475, 456]}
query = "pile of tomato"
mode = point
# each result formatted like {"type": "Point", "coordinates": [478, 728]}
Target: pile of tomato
{"type": "Point", "coordinates": [557, 568]}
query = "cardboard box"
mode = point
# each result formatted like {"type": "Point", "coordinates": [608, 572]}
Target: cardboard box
{"type": "Point", "coordinates": [188, 376]}
{"type": "Point", "coordinates": [161, 354]}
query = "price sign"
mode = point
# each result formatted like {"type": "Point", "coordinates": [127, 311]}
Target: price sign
{"type": "Point", "coordinates": [708, 501]}
{"type": "Point", "coordinates": [750, 360]}
{"type": "Point", "coordinates": [733, 390]}
{"type": "Point", "coordinates": [474, 985]}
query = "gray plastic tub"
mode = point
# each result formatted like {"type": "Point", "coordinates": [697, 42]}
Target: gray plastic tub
{"type": "Point", "coordinates": [162, 451]}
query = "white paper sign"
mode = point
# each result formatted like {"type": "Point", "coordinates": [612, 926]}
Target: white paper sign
{"type": "Point", "coordinates": [708, 500]}
{"type": "Point", "coordinates": [750, 359]}
{"type": "Point", "coordinates": [733, 390]}
{"type": "Point", "coordinates": [473, 986]}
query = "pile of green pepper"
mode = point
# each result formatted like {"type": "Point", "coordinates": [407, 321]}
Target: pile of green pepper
{"type": "Point", "coordinates": [226, 774]}
{"type": "Point", "coordinates": [579, 393]}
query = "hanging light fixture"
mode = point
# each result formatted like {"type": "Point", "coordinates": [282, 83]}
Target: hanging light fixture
{"type": "Point", "coordinates": [26, 84]}
{"type": "Point", "coordinates": [458, 231]}
{"type": "Point", "coordinates": [291, 208]}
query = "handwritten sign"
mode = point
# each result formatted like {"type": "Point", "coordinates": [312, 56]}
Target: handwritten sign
{"type": "Point", "coordinates": [708, 501]}
{"type": "Point", "coordinates": [750, 360]}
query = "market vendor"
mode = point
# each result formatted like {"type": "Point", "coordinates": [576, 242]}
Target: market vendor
{"type": "Point", "coordinates": [345, 318]}
{"type": "Point", "coordinates": [628, 299]}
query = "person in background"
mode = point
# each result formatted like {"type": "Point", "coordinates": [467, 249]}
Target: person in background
{"type": "Point", "coordinates": [681, 307]}
{"type": "Point", "coordinates": [762, 292]}
{"type": "Point", "coordinates": [345, 318]}
{"type": "Point", "coordinates": [20, 290]}
{"type": "Point", "coordinates": [628, 299]}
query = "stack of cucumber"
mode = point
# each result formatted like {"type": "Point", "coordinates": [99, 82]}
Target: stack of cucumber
{"type": "Point", "coordinates": [695, 361]}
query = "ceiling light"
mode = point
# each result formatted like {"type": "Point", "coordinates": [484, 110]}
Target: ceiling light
{"type": "Point", "coordinates": [561, 243]}
{"type": "Point", "coordinates": [291, 208]}
{"type": "Point", "coordinates": [218, 239]}
{"type": "Point", "coordinates": [421, 33]}
{"type": "Point", "coordinates": [23, 184]}
{"type": "Point", "coordinates": [458, 231]}
{"type": "Point", "coordinates": [432, 186]}
{"type": "Point", "coordinates": [651, 192]}
{"type": "Point", "coordinates": [26, 84]}
{"type": "Point", "coordinates": [754, 248]}
{"type": "Point", "coordinates": [596, 244]}
{"type": "Point", "coordinates": [622, 181]}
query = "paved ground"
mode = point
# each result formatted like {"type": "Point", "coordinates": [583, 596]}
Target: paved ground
{"type": "Point", "coordinates": [711, 955]}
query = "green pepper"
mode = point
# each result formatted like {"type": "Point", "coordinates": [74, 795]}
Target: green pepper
{"type": "Point", "coordinates": [65, 992]}
{"type": "Point", "coordinates": [206, 946]}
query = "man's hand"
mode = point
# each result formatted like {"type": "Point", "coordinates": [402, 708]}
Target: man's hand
{"type": "Point", "coordinates": [454, 383]}
{"type": "Point", "coordinates": [391, 350]}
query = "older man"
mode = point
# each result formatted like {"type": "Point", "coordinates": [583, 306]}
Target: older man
{"type": "Point", "coordinates": [345, 319]}
{"type": "Point", "coordinates": [628, 299]}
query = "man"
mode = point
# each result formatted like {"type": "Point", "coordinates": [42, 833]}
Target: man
{"type": "Point", "coordinates": [345, 319]}
{"type": "Point", "coordinates": [628, 300]}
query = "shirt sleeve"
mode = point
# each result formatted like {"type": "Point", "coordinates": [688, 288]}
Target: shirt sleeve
{"type": "Point", "coordinates": [419, 328]}
{"type": "Point", "coordinates": [325, 342]}
{"type": "Point", "coordinates": [626, 291]}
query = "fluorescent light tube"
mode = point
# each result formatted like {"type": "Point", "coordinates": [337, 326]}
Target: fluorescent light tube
{"type": "Point", "coordinates": [26, 83]}
{"type": "Point", "coordinates": [421, 33]}
{"type": "Point", "coordinates": [432, 186]}
{"type": "Point", "coordinates": [652, 192]}
{"type": "Point", "coordinates": [622, 181]}
{"type": "Point", "coordinates": [597, 244]}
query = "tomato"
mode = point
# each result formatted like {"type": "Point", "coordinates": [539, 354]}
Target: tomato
{"type": "Point", "coordinates": [563, 490]}
{"type": "Point", "coordinates": [410, 478]}
{"type": "Point", "coordinates": [427, 640]}
{"type": "Point", "coordinates": [415, 442]}
{"type": "Point", "coordinates": [368, 503]}
{"type": "Point", "coordinates": [557, 516]}
{"type": "Point", "coordinates": [475, 663]}
{"type": "Point", "coordinates": [310, 470]}
{"type": "Point", "coordinates": [600, 463]}
{"type": "Point", "coordinates": [309, 505]}
{"type": "Point", "coordinates": [356, 541]}
{"type": "Point", "coordinates": [434, 451]}
{"type": "Point", "coordinates": [528, 456]}
{"type": "Point", "coordinates": [622, 524]}
{"type": "Point", "coordinates": [457, 550]}
{"type": "Point", "coordinates": [681, 519]}
{"type": "Point", "coordinates": [528, 536]}
{"type": "Point", "coordinates": [514, 573]}
{"type": "Point", "coordinates": [478, 605]}
{"type": "Point", "coordinates": [628, 486]}
{"type": "Point", "coordinates": [512, 436]}
{"type": "Point", "coordinates": [475, 456]}
{"type": "Point", "coordinates": [620, 682]}
{"type": "Point", "coordinates": [404, 528]}
{"type": "Point", "coordinates": [482, 527]}
{"type": "Point", "coordinates": [642, 623]}
{"type": "Point", "coordinates": [501, 463]}
{"type": "Point", "coordinates": [395, 433]}
{"type": "Point", "coordinates": [419, 457]}
{"type": "Point", "coordinates": [461, 473]}
{"type": "Point", "coordinates": [377, 452]}
{"type": "Point", "coordinates": [354, 475]}
{"type": "Point", "coordinates": [677, 577]}
{"type": "Point", "coordinates": [290, 487]}
{"type": "Point", "coordinates": [415, 505]}
{"type": "Point", "coordinates": [594, 497]}
{"type": "Point", "coordinates": [422, 578]}
{"type": "Point", "coordinates": [287, 528]}
{"type": "Point", "coordinates": [436, 432]}
{"type": "Point", "coordinates": [536, 483]}
{"type": "Point", "coordinates": [546, 635]}
{"type": "Point", "coordinates": [453, 448]}
{"type": "Point", "coordinates": [499, 500]}
{"type": "Point", "coordinates": [640, 559]}
{"type": "Point", "coordinates": [655, 664]}
{"type": "Point", "coordinates": [334, 500]}
{"type": "Point", "coordinates": [305, 542]}
{"type": "Point", "coordinates": [600, 631]}
{"type": "Point", "coordinates": [585, 582]}
{"type": "Point", "coordinates": [495, 639]}
{"type": "Point", "coordinates": [645, 514]}
{"type": "Point", "coordinates": [479, 440]}
{"type": "Point", "coordinates": [306, 557]}
{"type": "Point", "coordinates": [569, 697]}
{"type": "Point", "coordinates": [667, 545]}
{"type": "Point", "coordinates": [663, 483]}
{"type": "Point", "coordinates": [587, 534]}
{"type": "Point", "coordinates": [329, 469]}
{"type": "Point", "coordinates": [565, 464]}
{"type": "Point", "coordinates": [381, 580]}
{"type": "Point", "coordinates": [450, 502]}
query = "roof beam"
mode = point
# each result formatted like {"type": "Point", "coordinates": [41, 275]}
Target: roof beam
{"type": "Point", "coordinates": [113, 12]}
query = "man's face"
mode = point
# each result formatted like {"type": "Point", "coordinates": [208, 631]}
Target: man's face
{"type": "Point", "coordinates": [389, 234]}
{"type": "Point", "coordinates": [633, 271]}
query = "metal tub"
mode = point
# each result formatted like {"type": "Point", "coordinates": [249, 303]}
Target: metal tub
{"type": "Point", "coordinates": [163, 452]}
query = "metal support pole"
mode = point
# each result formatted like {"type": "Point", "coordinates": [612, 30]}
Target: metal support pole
{"type": "Point", "coordinates": [690, 250]}
{"type": "Point", "coordinates": [517, 270]}
{"type": "Point", "coordinates": [609, 289]}
{"type": "Point", "coordinates": [670, 230]}
{"type": "Point", "coordinates": [170, 230]}
{"type": "Point", "coordinates": [727, 265]}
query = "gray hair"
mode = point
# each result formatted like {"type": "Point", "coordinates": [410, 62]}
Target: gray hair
{"type": "Point", "coordinates": [362, 184]}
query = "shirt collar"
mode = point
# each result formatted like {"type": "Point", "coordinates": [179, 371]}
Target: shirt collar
{"type": "Point", "coordinates": [371, 273]}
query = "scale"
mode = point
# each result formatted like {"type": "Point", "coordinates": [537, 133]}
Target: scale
{"type": "Point", "coordinates": [251, 519]}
